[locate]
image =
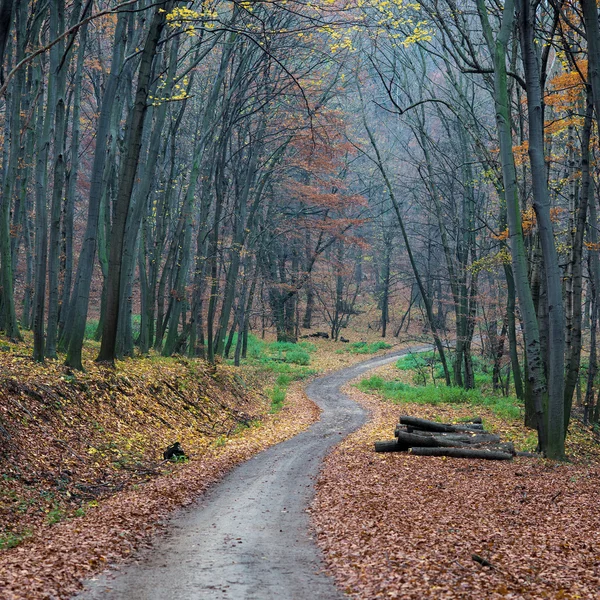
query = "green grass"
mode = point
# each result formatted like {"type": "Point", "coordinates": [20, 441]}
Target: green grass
{"type": "Point", "coordinates": [298, 357]}
{"type": "Point", "coordinates": [286, 361]}
{"type": "Point", "coordinates": [55, 516]}
{"type": "Point", "coordinates": [92, 325]}
{"type": "Point", "coordinates": [365, 348]}
{"type": "Point", "coordinates": [428, 368]}
{"type": "Point", "coordinates": [277, 395]}
{"type": "Point", "coordinates": [398, 392]}
{"type": "Point", "coordinates": [10, 539]}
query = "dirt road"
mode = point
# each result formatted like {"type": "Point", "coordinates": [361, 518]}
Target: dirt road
{"type": "Point", "coordinates": [249, 537]}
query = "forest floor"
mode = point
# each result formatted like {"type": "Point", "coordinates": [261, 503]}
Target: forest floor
{"type": "Point", "coordinates": [83, 482]}
{"type": "Point", "coordinates": [399, 526]}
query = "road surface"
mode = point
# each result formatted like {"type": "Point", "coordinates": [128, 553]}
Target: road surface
{"type": "Point", "coordinates": [248, 537]}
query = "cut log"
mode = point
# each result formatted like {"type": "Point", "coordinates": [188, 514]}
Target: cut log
{"type": "Point", "coordinates": [388, 446]}
{"type": "Point", "coordinates": [454, 429]}
{"type": "Point", "coordinates": [416, 425]}
{"type": "Point", "coordinates": [412, 439]}
{"type": "Point", "coordinates": [408, 440]}
{"type": "Point", "coordinates": [465, 438]}
{"type": "Point", "coordinates": [462, 453]}
{"type": "Point", "coordinates": [474, 427]}
{"type": "Point", "coordinates": [502, 447]}
{"type": "Point", "coordinates": [527, 454]}
{"type": "Point", "coordinates": [425, 425]}
{"type": "Point", "coordinates": [471, 438]}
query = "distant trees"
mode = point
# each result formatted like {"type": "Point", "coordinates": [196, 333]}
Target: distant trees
{"type": "Point", "coordinates": [531, 163]}
{"type": "Point", "coordinates": [176, 173]}
{"type": "Point", "coordinates": [202, 126]}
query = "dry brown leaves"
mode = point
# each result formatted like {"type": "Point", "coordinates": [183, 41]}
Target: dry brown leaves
{"type": "Point", "coordinates": [53, 561]}
{"type": "Point", "coordinates": [332, 356]}
{"type": "Point", "coordinates": [400, 526]}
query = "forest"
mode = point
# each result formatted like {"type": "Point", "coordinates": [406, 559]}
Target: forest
{"type": "Point", "coordinates": [176, 175]}
{"type": "Point", "coordinates": [205, 203]}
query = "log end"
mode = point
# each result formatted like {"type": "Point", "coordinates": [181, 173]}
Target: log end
{"type": "Point", "coordinates": [388, 446]}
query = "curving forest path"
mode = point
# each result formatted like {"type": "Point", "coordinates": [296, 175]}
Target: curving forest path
{"type": "Point", "coordinates": [248, 537]}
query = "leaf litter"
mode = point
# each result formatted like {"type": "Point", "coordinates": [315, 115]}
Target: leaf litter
{"type": "Point", "coordinates": [83, 481]}
{"type": "Point", "coordinates": [398, 526]}
{"type": "Point", "coordinates": [83, 484]}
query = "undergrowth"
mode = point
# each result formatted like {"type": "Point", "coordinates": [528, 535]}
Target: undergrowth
{"type": "Point", "coordinates": [91, 327]}
{"type": "Point", "coordinates": [12, 540]}
{"type": "Point", "coordinates": [365, 348]}
{"type": "Point", "coordinates": [399, 392]}
{"type": "Point", "coordinates": [428, 368]}
{"type": "Point", "coordinates": [285, 362]}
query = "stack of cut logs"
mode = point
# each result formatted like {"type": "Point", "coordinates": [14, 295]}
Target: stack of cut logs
{"type": "Point", "coordinates": [467, 439]}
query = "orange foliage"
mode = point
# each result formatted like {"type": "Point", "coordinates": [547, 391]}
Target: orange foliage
{"type": "Point", "coordinates": [567, 88]}
{"type": "Point", "coordinates": [520, 153]}
{"type": "Point", "coordinates": [529, 221]}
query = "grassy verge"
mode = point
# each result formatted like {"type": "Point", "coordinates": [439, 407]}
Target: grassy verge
{"type": "Point", "coordinates": [365, 348]}
{"type": "Point", "coordinates": [417, 380]}
{"type": "Point", "coordinates": [399, 392]}
{"type": "Point", "coordinates": [281, 362]}
{"type": "Point", "coordinates": [426, 368]}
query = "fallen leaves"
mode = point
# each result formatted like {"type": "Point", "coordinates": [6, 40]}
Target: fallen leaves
{"type": "Point", "coordinates": [397, 526]}
{"type": "Point", "coordinates": [83, 480]}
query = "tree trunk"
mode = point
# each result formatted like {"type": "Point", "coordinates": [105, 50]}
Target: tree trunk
{"type": "Point", "coordinates": [78, 305]}
{"type": "Point", "coordinates": [574, 347]}
{"type": "Point", "coordinates": [135, 129]}
{"type": "Point", "coordinates": [556, 417]}
{"type": "Point", "coordinates": [498, 50]}
{"type": "Point", "coordinates": [58, 184]}
{"type": "Point", "coordinates": [8, 316]}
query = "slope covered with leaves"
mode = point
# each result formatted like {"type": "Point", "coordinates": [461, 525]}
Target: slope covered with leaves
{"type": "Point", "coordinates": [83, 480]}
{"type": "Point", "coordinates": [400, 526]}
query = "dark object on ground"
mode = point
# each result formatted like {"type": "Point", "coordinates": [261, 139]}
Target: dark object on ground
{"type": "Point", "coordinates": [462, 453]}
{"type": "Point", "coordinates": [387, 446]}
{"type": "Point", "coordinates": [434, 440]}
{"type": "Point", "coordinates": [320, 334]}
{"type": "Point", "coordinates": [344, 340]}
{"type": "Point", "coordinates": [174, 451]}
{"type": "Point", "coordinates": [425, 425]}
{"type": "Point", "coordinates": [482, 561]}
{"type": "Point", "coordinates": [415, 424]}
{"type": "Point", "coordinates": [428, 438]}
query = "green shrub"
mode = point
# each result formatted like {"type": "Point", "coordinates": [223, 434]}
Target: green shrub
{"type": "Point", "coordinates": [92, 325]}
{"type": "Point", "coordinates": [428, 368]}
{"type": "Point", "coordinates": [297, 357]}
{"type": "Point", "coordinates": [364, 348]}
{"type": "Point", "coordinates": [372, 383]}
{"type": "Point", "coordinates": [284, 379]}
{"type": "Point", "coordinates": [399, 392]}
{"type": "Point", "coordinates": [277, 395]}
{"type": "Point", "coordinates": [55, 515]}
{"type": "Point", "coordinates": [10, 539]}
{"type": "Point", "coordinates": [269, 352]}
{"type": "Point", "coordinates": [409, 362]}
{"type": "Point", "coordinates": [282, 346]}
